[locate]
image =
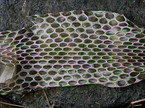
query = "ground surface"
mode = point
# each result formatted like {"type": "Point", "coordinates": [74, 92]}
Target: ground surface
{"type": "Point", "coordinates": [14, 15]}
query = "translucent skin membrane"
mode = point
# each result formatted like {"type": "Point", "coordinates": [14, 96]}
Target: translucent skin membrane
{"type": "Point", "coordinates": [74, 48]}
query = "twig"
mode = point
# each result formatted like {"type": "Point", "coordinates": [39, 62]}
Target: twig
{"type": "Point", "coordinates": [46, 97]}
{"type": "Point", "coordinates": [23, 7]}
{"type": "Point", "coordinates": [97, 103]}
{"type": "Point", "coordinates": [137, 101]}
{"type": "Point", "coordinates": [138, 105]}
{"type": "Point", "coordinates": [5, 103]}
{"type": "Point", "coordinates": [47, 100]}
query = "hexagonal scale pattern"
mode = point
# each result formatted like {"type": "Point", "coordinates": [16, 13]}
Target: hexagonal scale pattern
{"type": "Point", "coordinates": [74, 48]}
